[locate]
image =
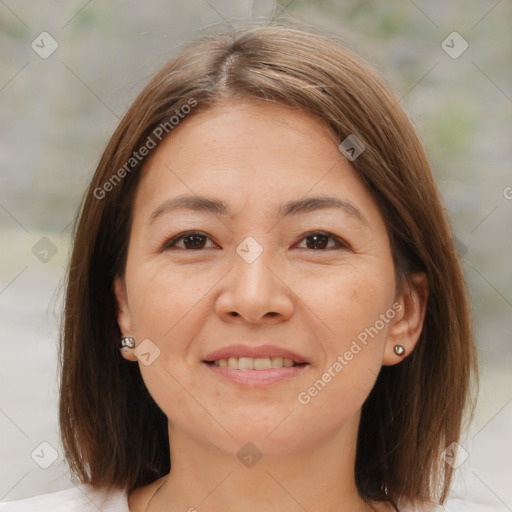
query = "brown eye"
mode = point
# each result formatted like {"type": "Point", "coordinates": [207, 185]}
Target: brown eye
{"type": "Point", "coordinates": [190, 241]}
{"type": "Point", "coordinates": [319, 240]}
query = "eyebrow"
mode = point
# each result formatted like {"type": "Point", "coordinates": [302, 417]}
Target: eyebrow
{"type": "Point", "coordinates": [296, 207]}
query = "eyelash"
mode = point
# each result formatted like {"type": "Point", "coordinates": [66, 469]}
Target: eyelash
{"type": "Point", "coordinates": [341, 244]}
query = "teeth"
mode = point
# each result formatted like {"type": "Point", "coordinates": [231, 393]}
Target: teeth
{"type": "Point", "coordinates": [245, 363]}
{"type": "Point", "coordinates": [250, 363]}
{"type": "Point", "coordinates": [262, 363]}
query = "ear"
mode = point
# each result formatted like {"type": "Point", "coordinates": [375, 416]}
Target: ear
{"type": "Point", "coordinates": [407, 325]}
{"type": "Point", "coordinates": [124, 319]}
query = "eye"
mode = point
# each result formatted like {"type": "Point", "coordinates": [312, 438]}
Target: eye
{"type": "Point", "coordinates": [319, 240]}
{"type": "Point", "coordinates": [192, 240]}
{"type": "Point", "coordinates": [196, 240]}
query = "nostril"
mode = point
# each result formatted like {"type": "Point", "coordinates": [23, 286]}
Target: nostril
{"type": "Point", "coordinates": [270, 313]}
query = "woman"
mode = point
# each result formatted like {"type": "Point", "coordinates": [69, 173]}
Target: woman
{"type": "Point", "coordinates": [264, 307]}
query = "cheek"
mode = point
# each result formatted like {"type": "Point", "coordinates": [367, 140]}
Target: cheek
{"type": "Point", "coordinates": [356, 305]}
{"type": "Point", "coordinates": [165, 303]}
{"type": "Point", "coordinates": [351, 299]}
{"type": "Point", "coordinates": [163, 298]}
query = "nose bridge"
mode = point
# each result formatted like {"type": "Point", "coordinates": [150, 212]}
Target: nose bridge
{"type": "Point", "coordinates": [252, 273]}
{"type": "Point", "coordinates": [253, 291]}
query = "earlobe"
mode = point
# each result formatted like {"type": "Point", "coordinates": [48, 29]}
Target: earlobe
{"type": "Point", "coordinates": [408, 323]}
{"type": "Point", "coordinates": [123, 316]}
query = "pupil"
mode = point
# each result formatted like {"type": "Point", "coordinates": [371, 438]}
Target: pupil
{"type": "Point", "coordinates": [319, 241]}
{"type": "Point", "coordinates": [197, 240]}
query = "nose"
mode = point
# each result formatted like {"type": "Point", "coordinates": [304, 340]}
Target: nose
{"type": "Point", "coordinates": [255, 292]}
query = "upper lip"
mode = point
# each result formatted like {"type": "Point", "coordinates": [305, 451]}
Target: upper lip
{"type": "Point", "coordinates": [254, 351]}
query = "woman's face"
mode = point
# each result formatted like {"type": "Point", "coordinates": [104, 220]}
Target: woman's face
{"type": "Point", "coordinates": [233, 265]}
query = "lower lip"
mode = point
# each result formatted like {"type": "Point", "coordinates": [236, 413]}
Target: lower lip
{"type": "Point", "coordinates": [256, 377]}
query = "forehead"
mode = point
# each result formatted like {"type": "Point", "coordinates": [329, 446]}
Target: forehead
{"type": "Point", "coordinates": [249, 153]}
{"type": "Point", "coordinates": [237, 132]}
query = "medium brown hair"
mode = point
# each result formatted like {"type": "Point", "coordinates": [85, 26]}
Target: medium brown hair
{"type": "Point", "coordinates": [113, 433]}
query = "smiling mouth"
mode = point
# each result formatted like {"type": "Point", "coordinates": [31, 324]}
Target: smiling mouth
{"type": "Point", "coordinates": [258, 363]}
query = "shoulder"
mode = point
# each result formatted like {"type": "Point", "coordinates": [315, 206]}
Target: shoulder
{"type": "Point", "coordinates": [81, 498]}
{"type": "Point", "coordinates": [451, 505]}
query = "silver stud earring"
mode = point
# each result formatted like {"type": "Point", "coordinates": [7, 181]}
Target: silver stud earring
{"type": "Point", "coordinates": [399, 350]}
{"type": "Point", "coordinates": [127, 344]}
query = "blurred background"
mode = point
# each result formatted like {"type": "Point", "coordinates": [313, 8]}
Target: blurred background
{"type": "Point", "coordinates": [68, 72]}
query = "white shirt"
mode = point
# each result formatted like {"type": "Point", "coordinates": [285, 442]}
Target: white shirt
{"type": "Point", "coordinates": [82, 498]}
{"type": "Point", "coordinates": [85, 498]}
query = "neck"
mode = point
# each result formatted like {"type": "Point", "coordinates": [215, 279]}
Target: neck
{"type": "Point", "coordinates": [313, 477]}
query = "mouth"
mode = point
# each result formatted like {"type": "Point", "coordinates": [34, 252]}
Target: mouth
{"type": "Point", "coordinates": [254, 366]}
{"type": "Point", "coordinates": [255, 363]}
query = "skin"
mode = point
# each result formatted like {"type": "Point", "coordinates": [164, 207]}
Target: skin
{"type": "Point", "coordinates": [256, 155]}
